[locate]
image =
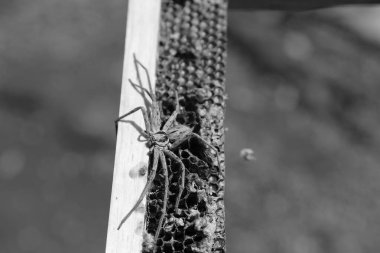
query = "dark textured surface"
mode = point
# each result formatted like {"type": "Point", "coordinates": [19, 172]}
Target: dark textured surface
{"type": "Point", "coordinates": [192, 56]}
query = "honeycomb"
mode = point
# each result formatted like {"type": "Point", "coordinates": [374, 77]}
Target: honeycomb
{"type": "Point", "coordinates": [192, 54]}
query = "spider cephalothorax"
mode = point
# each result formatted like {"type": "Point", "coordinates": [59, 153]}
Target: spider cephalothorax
{"type": "Point", "coordinates": [162, 140]}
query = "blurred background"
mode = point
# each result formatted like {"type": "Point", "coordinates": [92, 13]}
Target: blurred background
{"type": "Point", "coordinates": [303, 94]}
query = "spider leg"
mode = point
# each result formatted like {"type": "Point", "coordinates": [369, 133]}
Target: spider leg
{"type": "Point", "coordinates": [146, 188]}
{"type": "Point", "coordinates": [164, 206]}
{"type": "Point", "coordinates": [143, 89]}
{"type": "Point", "coordinates": [173, 117]}
{"type": "Point", "coordinates": [182, 185]}
{"type": "Point", "coordinates": [161, 111]}
{"type": "Point", "coordinates": [137, 62]}
{"type": "Point", "coordinates": [145, 115]}
{"type": "Point", "coordinates": [209, 145]}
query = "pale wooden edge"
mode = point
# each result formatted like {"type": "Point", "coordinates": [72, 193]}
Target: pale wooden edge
{"type": "Point", "coordinates": [142, 37]}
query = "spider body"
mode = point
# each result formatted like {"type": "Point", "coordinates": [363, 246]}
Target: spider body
{"type": "Point", "coordinates": [162, 139]}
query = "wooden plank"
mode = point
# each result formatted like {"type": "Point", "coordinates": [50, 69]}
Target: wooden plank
{"type": "Point", "coordinates": [141, 39]}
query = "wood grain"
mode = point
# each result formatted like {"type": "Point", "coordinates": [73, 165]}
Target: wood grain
{"type": "Point", "coordinates": [131, 155]}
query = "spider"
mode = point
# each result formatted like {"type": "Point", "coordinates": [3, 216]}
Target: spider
{"type": "Point", "coordinates": [161, 140]}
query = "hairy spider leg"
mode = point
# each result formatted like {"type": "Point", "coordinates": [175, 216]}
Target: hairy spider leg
{"type": "Point", "coordinates": [167, 125]}
{"type": "Point", "coordinates": [183, 171]}
{"type": "Point", "coordinates": [155, 112]}
{"type": "Point", "coordinates": [141, 90]}
{"type": "Point", "coordinates": [172, 117]}
{"type": "Point", "coordinates": [156, 155]}
{"type": "Point", "coordinates": [161, 111]}
{"type": "Point", "coordinates": [155, 117]}
{"type": "Point", "coordinates": [138, 63]}
{"type": "Point", "coordinates": [151, 94]}
{"type": "Point", "coordinates": [164, 205]}
{"type": "Point", "coordinates": [135, 86]}
{"type": "Point", "coordinates": [145, 115]}
{"type": "Point", "coordinates": [184, 137]}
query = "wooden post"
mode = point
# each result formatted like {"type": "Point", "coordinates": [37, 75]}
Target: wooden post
{"type": "Point", "coordinates": [131, 155]}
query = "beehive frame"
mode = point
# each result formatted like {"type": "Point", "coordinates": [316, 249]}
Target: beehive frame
{"type": "Point", "coordinates": [191, 61]}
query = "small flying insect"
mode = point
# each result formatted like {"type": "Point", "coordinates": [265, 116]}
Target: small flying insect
{"type": "Point", "coordinates": [161, 140]}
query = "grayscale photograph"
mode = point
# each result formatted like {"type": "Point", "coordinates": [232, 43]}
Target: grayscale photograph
{"type": "Point", "coordinates": [190, 126]}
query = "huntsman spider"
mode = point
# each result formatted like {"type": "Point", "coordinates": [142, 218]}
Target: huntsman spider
{"type": "Point", "coordinates": [161, 140]}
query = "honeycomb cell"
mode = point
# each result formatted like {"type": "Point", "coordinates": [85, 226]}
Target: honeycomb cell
{"type": "Point", "coordinates": [178, 246]}
{"type": "Point", "coordinates": [192, 199]}
{"type": "Point", "coordinates": [188, 250]}
{"type": "Point", "coordinates": [179, 236]}
{"type": "Point", "coordinates": [193, 160]}
{"type": "Point", "coordinates": [188, 241]}
{"type": "Point", "coordinates": [198, 238]}
{"type": "Point", "coordinates": [168, 248]}
{"type": "Point", "coordinates": [167, 237]}
{"type": "Point", "coordinates": [160, 243]}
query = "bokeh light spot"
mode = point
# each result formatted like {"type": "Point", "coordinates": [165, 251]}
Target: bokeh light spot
{"type": "Point", "coordinates": [297, 46]}
{"type": "Point", "coordinates": [11, 163]}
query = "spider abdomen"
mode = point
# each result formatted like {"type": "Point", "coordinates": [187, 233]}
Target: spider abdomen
{"type": "Point", "coordinates": [178, 132]}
